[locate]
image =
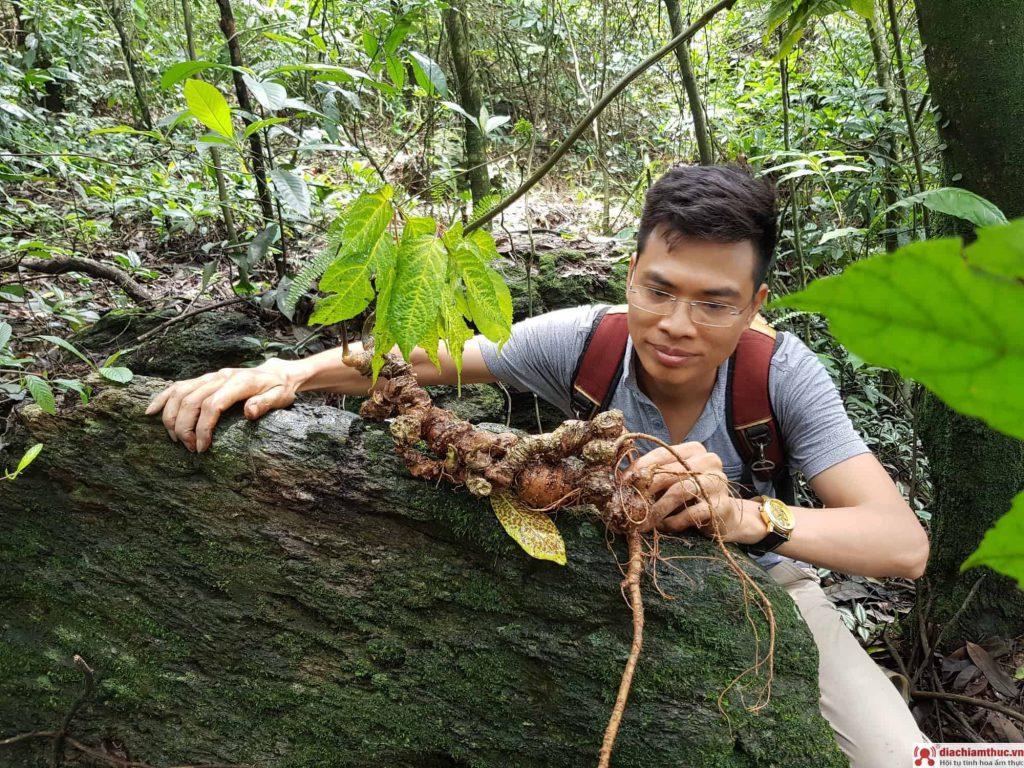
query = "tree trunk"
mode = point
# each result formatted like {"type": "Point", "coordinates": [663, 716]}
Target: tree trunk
{"type": "Point", "coordinates": [295, 598]}
{"type": "Point", "coordinates": [700, 126]}
{"type": "Point", "coordinates": [218, 170]}
{"type": "Point", "coordinates": [471, 97]}
{"type": "Point", "coordinates": [880, 52]}
{"type": "Point", "coordinates": [972, 51]}
{"type": "Point", "coordinates": [227, 26]}
{"type": "Point", "coordinates": [123, 26]}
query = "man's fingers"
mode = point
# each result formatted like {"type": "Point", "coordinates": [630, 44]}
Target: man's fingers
{"type": "Point", "coordinates": [695, 516]}
{"type": "Point", "coordinates": [275, 397]}
{"type": "Point", "coordinates": [157, 403]}
{"type": "Point", "coordinates": [188, 413]}
{"type": "Point", "coordinates": [665, 456]}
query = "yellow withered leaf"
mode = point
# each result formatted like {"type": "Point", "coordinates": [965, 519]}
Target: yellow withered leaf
{"type": "Point", "coordinates": [533, 531]}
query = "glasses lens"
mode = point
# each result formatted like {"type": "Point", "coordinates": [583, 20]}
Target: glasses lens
{"type": "Point", "coordinates": [652, 300]}
{"type": "Point", "coordinates": [712, 313]}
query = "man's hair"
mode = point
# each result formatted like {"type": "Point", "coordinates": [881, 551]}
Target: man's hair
{"type": "Point", "coordinates": [720, 203]}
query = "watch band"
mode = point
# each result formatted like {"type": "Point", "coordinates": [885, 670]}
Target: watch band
{"type": "Point", "coordinates": [769, 543]}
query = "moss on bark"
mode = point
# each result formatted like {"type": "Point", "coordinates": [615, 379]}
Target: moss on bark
{"type": "Point", "coordinates": [294, 598]}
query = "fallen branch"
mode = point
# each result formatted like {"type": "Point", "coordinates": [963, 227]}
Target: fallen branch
{"type": "Point", "coordinates": [994, 705]}
{"type": "Point", "coordinates": [88, 688]}
{"type": "Point", "coordinates": [186, 315]}
{"type": "Point", "coordinates": [63, 264]}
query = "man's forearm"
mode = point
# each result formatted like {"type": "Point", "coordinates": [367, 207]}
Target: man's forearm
{"type": "Point", "coordinates": [327, 372]}
{"type": "Point", "coordinates": [865, 540]}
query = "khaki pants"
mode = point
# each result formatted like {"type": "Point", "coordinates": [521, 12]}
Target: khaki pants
{"type": "Point", "coordinates": [873, 725]}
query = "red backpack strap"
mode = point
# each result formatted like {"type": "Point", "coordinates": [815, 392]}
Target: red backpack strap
{"type": "Point", "coordinates": [600, 365]}
{"type": "Point", "coordinates": [749, 416]}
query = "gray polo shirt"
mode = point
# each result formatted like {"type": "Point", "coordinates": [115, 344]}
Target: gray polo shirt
{"type": "Point", "coordinates": [542, 355]}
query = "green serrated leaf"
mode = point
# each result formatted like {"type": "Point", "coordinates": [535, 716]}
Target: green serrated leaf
{"type": "Point", "coordinates": [41, 393]}
{"type": "Point", "coordinates": [209, 107]}
{"type": "Point", "coordinates": [928, 313]}
{"type": "Point", "coordinates": [367, 219]}
{"type": "Point", "coordinates": [68, 346]}
{"type": "Point", "coordinates": [5, 334]}
{"type": "Point", "coordinates": [485, 307]}
{"type": "Point", "coordinates": [116, 373]}
{"type": "Point", "coordinates": [416, 293]}
{"type": "Point", "coordinates": [431, 342]}
{"type": "Point", "coordinates": [417, 226]}
{"type": "Point", "coordinates": [456, 332]}
{"type": "Point", "coordinates": [1002, 547]}
{"type": "Point", "coordinates": [999, 250]}
{"type": "Point", "coordinates": [353, 292]}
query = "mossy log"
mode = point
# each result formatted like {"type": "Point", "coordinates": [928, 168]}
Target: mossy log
{"type": "Point", "coordinates": [295, 598]}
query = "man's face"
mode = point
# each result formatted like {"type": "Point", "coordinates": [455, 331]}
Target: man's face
{"type": "Point", "coordinates": [673, 350]}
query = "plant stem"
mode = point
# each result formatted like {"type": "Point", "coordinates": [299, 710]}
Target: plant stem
{"type": "Point", "coordinates": [700, 126]}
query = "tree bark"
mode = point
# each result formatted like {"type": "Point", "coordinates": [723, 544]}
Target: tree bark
{"type": "Point", "coordinates": [227, 26]}
{"type": "Point", "coordinates": [218, 170]}
{"type": "Point", "coordinates": [880, 52]}
{"type": "Point", "coordinates": [700, 126]}
{"type": "Point", "coordinates": [121, 25]}
{"type": "Point", "coordinates": [972, 51]}
{"type": "Point", "coordinates": [471, 97]}
{"type": "Point", "coordinates": [294, 598]}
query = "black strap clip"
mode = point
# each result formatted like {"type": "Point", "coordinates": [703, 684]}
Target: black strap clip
{"type": "Point", "coordinates": [760, 436]}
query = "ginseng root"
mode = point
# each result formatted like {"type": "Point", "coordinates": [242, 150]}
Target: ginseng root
{"type": "Point", "coordinates": [577, 464]}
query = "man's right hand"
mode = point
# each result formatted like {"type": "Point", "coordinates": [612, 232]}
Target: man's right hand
{"type": "Point", "coordinates": [191, 408]}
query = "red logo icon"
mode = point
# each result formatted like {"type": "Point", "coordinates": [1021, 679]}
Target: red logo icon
{"type": "Point", "coordinates": [923, 756]}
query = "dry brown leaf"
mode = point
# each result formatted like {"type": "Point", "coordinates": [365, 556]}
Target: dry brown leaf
{"type": "Point", "coordinates": [1001, 682]}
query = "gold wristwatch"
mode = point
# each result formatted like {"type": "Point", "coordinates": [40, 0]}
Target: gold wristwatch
{"type": "Point", "coordinates": [780, 521]}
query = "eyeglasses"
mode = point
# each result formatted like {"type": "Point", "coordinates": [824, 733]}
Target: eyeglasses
{"type": "Point", "coordinates": [709, 313]}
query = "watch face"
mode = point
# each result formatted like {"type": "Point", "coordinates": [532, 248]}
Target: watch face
{"type": "Point", "coordinates": [780, 514]}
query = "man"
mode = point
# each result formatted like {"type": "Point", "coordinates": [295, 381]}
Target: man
{"type": "Point", "coordinates": [704, 246]}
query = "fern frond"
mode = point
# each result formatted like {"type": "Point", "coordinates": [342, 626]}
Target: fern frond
{"type": "Point", "coordinates": [314, 269]}
{"type": "Point", "coordinates": [484, 207]}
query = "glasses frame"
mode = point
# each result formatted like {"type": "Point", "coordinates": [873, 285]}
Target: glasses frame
{"type": "Point", "coordinates": [691, 303]}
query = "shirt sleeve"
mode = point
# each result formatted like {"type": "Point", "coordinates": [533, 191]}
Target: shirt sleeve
{"type": "Point", "coordinates": [816, 429]}
{"type": "Point", "coordinates": [542, 353]}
